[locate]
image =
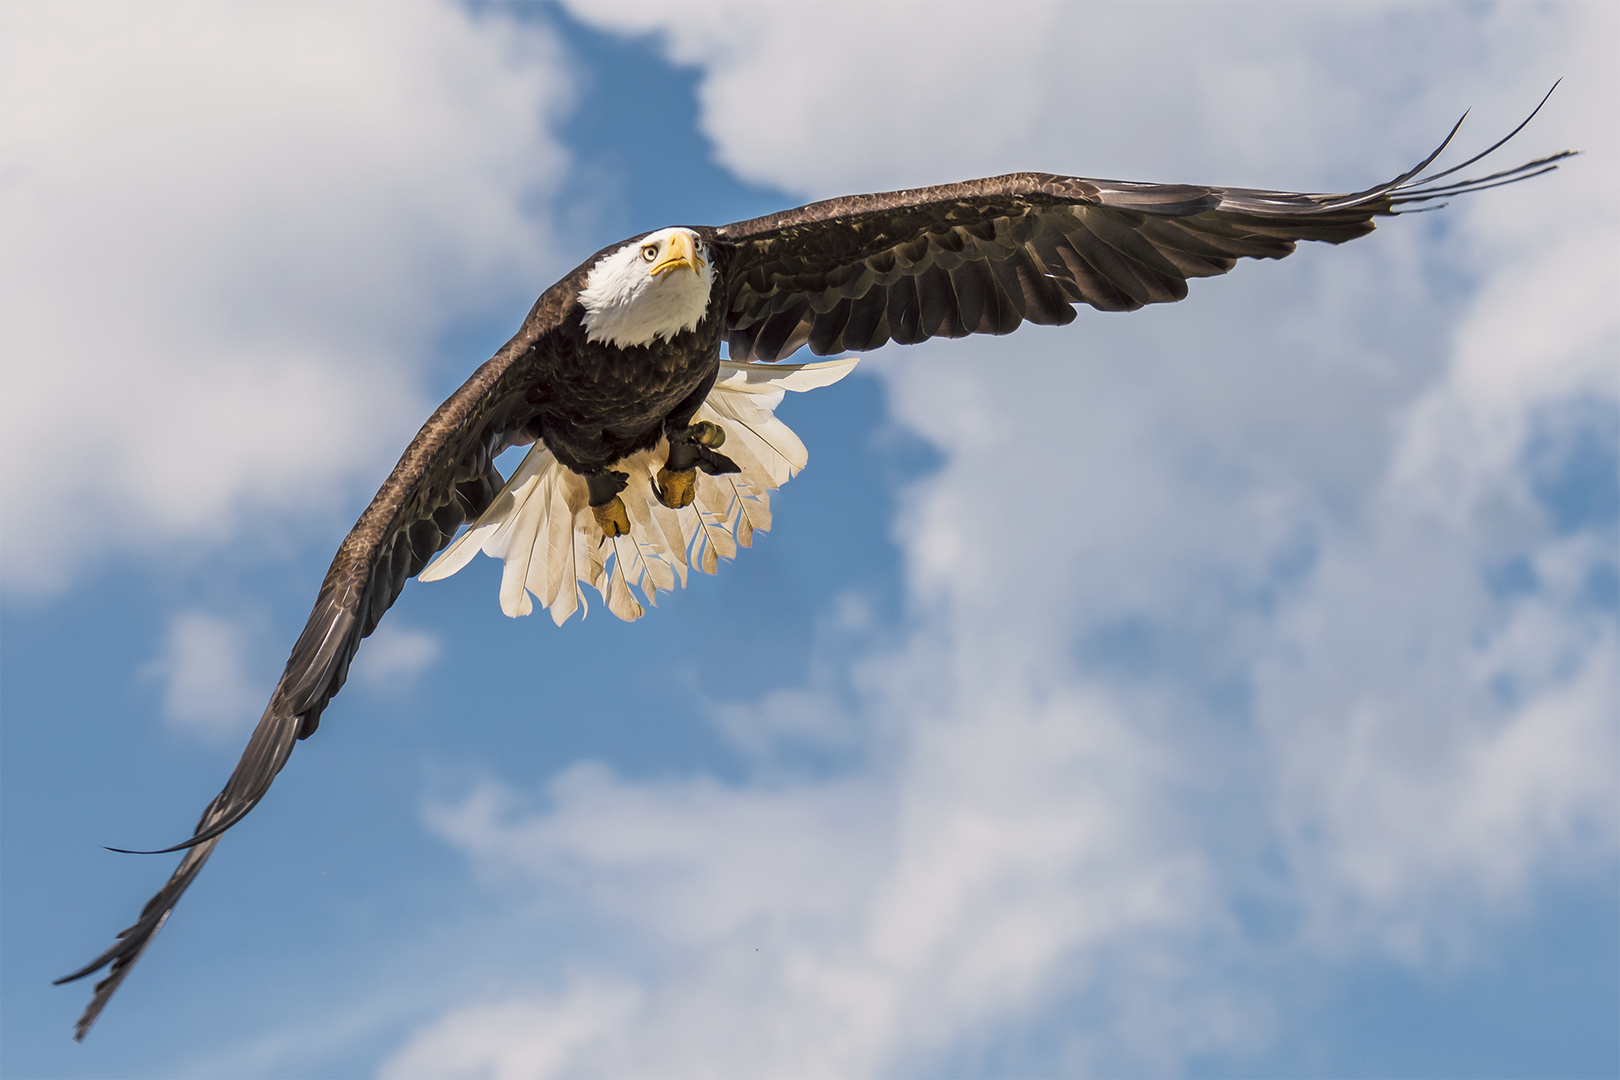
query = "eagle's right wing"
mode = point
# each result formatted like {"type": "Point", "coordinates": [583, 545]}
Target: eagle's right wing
{"type": "Point", "coordinates": [444, 479]}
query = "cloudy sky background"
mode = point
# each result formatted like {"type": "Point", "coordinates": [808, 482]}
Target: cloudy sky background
{"type": "Point", "coordinates": [1224, 689]}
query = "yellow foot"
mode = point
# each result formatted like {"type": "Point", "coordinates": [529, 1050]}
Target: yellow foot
{"type": "Point", "coordinates": [612, 518]}
{"type": "Point", "coordinates": [676, 489]}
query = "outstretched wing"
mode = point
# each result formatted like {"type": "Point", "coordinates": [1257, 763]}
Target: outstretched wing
{"type": "Point", "coordinates": [444, 479]}
{"type": "Point", "coordinates": [984, 256]}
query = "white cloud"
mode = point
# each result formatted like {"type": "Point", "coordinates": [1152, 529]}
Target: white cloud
{"type": "Point", "coordinates": [208, 691]}
{"type": "Point", "coordinates": [393, 656]}
{"type": "Point", "coordinates": [232, 233]}
{"type": "Point", "coordinates": [523, 1038]}
{"type": "Point", "coordinates": [1250, 654]}
{"type": "Point", "coordinates": [868, 97]}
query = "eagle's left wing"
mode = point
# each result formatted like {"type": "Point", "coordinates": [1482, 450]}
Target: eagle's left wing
{"type": "Point", "coordinates": [984, 256]}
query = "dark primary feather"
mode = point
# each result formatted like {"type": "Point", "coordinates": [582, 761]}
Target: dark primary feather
{"type": "Point", "coordinates": [847, 274]}
{"type": "Point", "coordinates": [984, 256]}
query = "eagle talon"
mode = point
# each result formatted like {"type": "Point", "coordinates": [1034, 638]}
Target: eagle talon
{"type": "Point", "coordinates": [676, 489]}
{"type": "Point", "coordinates": [613, 519]}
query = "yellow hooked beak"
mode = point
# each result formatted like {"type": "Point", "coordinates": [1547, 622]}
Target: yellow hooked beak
{"type": "Point", "coordinates": [679, 253]}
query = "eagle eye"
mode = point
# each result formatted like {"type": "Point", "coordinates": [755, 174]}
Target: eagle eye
{"type": "Point", "coordinates": [649, 252]}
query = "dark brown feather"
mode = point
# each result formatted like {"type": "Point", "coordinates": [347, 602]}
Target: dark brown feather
{"type": "Point", "coordinates": [937, 304]}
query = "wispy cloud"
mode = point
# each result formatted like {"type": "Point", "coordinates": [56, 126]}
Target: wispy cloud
{"type": "Point", "coordinates": [393, 656]}
{"type": "Point", "coordinates": [208, 691]}
{"type": "Point", "coordinates": [518, 1038]}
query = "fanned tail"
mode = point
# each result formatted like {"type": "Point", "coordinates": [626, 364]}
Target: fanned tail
{"type": "Point", "coordinates": [541, 527]}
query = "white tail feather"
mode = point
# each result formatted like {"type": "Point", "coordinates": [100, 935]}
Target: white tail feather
{"type": "Point", "coordinates": [541, 526]}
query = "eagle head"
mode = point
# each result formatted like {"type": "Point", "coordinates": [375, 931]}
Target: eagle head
{"type": "Point", "coordinates": [654, 287]}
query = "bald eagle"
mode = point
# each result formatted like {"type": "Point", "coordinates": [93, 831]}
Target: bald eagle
{"type": "Point", "coordinates": [652, 453]}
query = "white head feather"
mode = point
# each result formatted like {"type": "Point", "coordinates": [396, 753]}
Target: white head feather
{"type": "Point", "coordinates": [638, 293]}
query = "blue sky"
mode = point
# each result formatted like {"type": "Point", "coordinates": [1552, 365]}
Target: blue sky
{"type": "Point", "coordinates": [1285, 746]}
